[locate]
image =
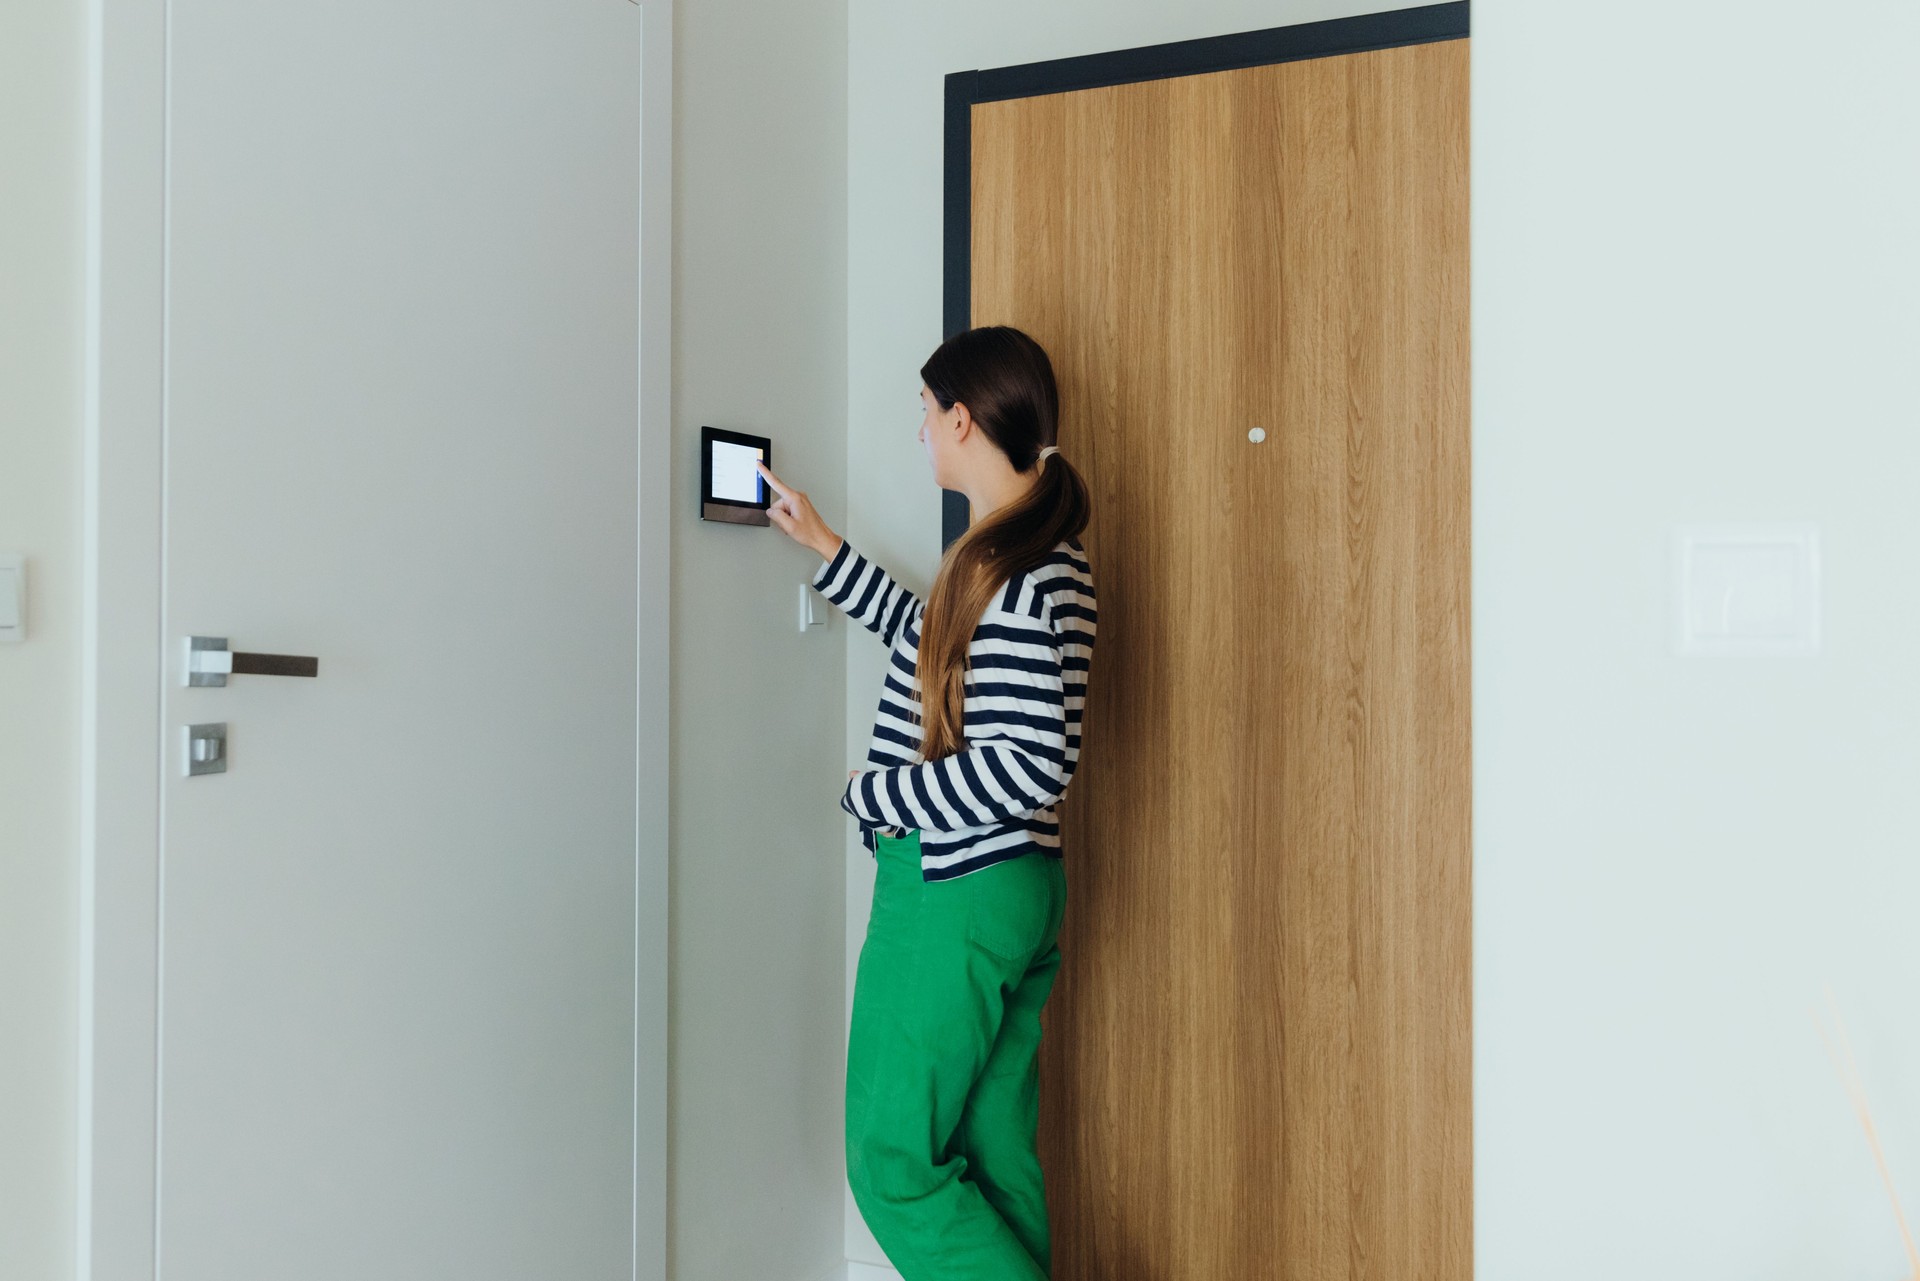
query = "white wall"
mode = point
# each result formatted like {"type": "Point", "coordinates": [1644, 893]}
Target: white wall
{"type": "Point", "coordinates": [40, 292]}
{"type": "Point", "coordinates": [760, 275]}
{"type": "Point", "coordinates": [760, 324]}
{"type": "Point", "coordinates": [1693, 290]}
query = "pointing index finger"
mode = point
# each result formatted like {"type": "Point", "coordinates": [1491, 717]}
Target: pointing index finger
{"type": "Point", "coordinates": [772, 479]}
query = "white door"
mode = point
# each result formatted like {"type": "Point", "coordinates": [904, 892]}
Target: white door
{"type": "Point", "coordinates": [396, 979]}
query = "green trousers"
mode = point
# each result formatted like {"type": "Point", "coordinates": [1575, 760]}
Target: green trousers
{"type": "Point", "coordinates": [942, 1065]}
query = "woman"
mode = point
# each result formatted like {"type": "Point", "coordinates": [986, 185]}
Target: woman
{"type": "Point", "coordinates": [976, 738]}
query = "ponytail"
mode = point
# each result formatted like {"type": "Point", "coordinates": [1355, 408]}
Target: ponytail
{"type": "Point", "coordinates": [1007, 383]}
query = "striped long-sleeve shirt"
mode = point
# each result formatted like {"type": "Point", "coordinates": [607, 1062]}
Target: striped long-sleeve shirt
{"type": "Point", "coordinates": [1024, 690]}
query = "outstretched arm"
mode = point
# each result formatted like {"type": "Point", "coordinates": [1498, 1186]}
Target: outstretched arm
{"type": "Point", "coordinates": [792, 511]}
{"type": "Point", "coordinates": [862, 589]}
{"type": "Point", "coordinates": [866, 592]}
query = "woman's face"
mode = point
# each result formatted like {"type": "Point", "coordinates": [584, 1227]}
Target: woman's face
{"type": "Point", "coordinates": [936, 433]}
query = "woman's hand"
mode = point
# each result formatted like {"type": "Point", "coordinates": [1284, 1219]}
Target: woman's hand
{"type": "Point", "coordinates": [796, 517]}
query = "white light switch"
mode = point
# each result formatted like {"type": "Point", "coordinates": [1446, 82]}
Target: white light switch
{"type": "Point", "coordinates": [1747, 589]}
{"type": "Point", "coordinates": [810, 612]}
{"type": "Point", "coordinates": [13, 597]}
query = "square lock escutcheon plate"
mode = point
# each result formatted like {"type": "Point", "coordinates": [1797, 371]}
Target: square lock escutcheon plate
{"type": "Point", "coordinates": [206, 748]}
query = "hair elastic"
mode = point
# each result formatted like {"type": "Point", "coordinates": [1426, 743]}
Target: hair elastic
{"type": "Point", "coordinates": [1050, 449]}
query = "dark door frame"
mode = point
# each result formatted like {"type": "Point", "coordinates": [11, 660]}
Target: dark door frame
{"type": "Point", "coordinates": [1330, 38]}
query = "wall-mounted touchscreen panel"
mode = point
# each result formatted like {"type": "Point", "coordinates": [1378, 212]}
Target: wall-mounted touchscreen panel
{"type": "Point", "coordinates": [731, 488]}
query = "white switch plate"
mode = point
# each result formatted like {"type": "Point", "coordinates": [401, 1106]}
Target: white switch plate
{"type": "Point", "coordinates": [1751, 588]}
{"type": "Point", "coordinates": [811, 615]}
{"type": "Point", "coordinates": [13, 597]}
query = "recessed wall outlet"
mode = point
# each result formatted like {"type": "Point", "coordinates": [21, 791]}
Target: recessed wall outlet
{"type": "Point", "coordinates": [1749, 588]}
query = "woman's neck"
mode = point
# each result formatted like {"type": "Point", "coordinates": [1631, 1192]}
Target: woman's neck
{"type": "Point", "coordinates": [991, 493]}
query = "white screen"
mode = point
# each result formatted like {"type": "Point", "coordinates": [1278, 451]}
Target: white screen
{"type": "Point", "coordinates": [733, 473]}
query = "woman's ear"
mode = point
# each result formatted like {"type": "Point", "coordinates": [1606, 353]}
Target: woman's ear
{"type": "Point", "coordinates": [962, 421]}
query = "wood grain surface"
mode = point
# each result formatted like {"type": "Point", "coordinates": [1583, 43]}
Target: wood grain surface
{"type": "Point", "coordinates": [1257, 1058]}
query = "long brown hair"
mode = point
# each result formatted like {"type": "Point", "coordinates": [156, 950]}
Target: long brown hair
{"type": "Point", "coordinates": [1006, 382]}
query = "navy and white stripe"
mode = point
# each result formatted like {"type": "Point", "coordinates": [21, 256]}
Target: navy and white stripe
{"type": "Point", "coordinates": [1024, 692]}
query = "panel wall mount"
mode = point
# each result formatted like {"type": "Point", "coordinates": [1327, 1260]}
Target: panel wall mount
{"type": "Point", "coordinates": [1750, 588]}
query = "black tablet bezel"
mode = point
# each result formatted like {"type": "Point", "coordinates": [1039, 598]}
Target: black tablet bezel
{"type": "Point", "coordinates": [733, 511]}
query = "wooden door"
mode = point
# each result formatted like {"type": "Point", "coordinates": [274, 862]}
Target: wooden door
{"type": "Point", "coordinates": [1256, 1061]}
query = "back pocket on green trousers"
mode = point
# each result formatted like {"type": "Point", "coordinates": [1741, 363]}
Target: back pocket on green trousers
{"type": "Point", "coordinates": [1009, 906]}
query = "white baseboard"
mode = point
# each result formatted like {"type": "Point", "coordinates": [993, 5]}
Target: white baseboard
{"type": "Point", "coordinates": [870, 1272]}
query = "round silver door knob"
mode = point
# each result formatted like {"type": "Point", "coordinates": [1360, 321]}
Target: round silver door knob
{"type": "Point", "coordinates": [1257, 435]}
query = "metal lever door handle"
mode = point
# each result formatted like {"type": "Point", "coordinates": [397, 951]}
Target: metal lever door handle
{"type": "Point", "coordinates": [209, 662]}
{"type": "Point", "coordinates": [275, 665]}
